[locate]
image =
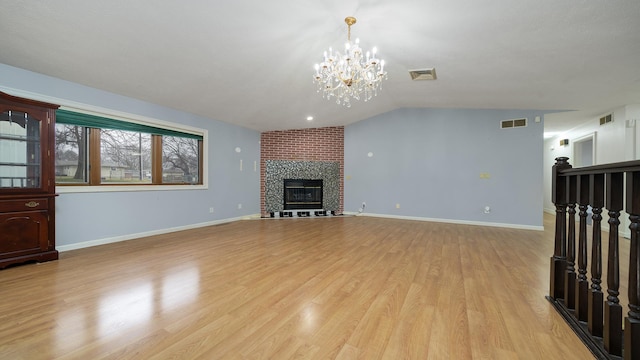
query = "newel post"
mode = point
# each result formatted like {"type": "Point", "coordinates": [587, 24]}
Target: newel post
{"type": "Point", "coordinates": [559, 258]}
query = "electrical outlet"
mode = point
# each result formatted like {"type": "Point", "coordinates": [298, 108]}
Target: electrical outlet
{"type": "Point", "coordinates": [239, 206]}
{"type": "Point", "coordinates": [211, 210]}
{"type": "Point", "coordinates": [397, 206]}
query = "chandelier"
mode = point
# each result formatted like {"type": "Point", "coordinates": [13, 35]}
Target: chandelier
{"type": "Point", "coordinates": [351, 75]}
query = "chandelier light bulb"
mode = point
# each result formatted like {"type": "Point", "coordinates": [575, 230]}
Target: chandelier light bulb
{"type": "Point", "coordinates": [350, 75]}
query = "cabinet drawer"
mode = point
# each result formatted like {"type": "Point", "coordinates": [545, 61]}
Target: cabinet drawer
{"type": "Point", "coordinates": [24, 204]}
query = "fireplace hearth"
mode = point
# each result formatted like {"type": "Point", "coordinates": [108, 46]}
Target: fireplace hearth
{"type": "Point", "coordinates": [302, 194]}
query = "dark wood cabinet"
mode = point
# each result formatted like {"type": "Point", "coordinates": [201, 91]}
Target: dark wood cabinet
{"type": "Point", "coordinates": [27, 182]}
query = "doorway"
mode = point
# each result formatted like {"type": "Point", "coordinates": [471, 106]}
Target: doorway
{"type": "Point", "coordinates": [584, 150]}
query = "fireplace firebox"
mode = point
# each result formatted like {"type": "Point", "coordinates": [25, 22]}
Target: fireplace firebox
{"type": "Point", "coordinates": [300, 194]}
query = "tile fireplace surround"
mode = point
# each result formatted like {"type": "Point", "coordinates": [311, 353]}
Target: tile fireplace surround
{"type": "Point", "coordinates": [278, 170]}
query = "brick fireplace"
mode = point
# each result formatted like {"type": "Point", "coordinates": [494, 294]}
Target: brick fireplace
{"type": "Point", "coordinates": [316, 153]}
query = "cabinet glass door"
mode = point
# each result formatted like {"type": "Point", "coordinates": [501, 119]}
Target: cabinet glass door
{"type": "Point", "coordinates": [20, 155]}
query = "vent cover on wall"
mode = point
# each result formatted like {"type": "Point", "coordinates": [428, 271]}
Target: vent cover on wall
{"type": "Point", "coordinates": [606, 119]}
{"type": "Point", "coordinates": [513, 123]}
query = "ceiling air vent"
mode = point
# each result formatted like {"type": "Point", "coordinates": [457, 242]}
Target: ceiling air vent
{"type": "Point", "coordinates": [513, 123]}
{"type": "Point", "coordinates": [606, 119]}
{"type": "Point", "coordinates": [423, 74]}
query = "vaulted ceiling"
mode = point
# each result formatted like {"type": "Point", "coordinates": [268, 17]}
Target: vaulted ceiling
{"type": "Point", "coordinates": [251, 62]}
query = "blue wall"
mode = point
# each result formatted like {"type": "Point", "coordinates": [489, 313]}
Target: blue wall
{"type": "Point", "coordinates": [429, 161]}
{"type": "Point", "coordinates": [83, 217]}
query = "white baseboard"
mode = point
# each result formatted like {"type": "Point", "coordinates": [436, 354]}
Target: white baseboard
{"type": "Point", "coordinates": [90, 243]}
{"type": "Point", "coordinates": [104, 241]}
{"type": "Point", "coordinates": [450, 221]}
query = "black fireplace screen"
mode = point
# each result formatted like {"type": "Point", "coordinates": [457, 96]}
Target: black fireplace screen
{"type": "Point", "coordinates": [302, 194]}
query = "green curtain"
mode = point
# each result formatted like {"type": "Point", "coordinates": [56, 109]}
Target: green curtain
{"type": "Point", "coordinates": [93, 121]}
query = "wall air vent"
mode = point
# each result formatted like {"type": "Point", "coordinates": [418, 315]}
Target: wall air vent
{"type": "Point", "coordinates": [513, 123]}
{"type": "Point", "coordinates": [606, 119]}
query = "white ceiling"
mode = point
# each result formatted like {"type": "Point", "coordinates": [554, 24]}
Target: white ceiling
{"type": "Point", "coordinates": [251, 62]}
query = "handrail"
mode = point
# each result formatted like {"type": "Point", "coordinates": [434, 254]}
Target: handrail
{"type": "Point", "coordinates": [623, 166]}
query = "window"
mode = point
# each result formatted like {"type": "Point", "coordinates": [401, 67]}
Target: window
{"type": "Point", "coordinates": [92, 150]}
{"type": "Point", "coordinates": [125, 157]}
{"type": "Point", "coordinates": [180, 160]}
{"type": "Point", "coordinates": [71, 154]}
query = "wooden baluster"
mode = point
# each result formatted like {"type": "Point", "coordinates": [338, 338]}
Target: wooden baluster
{"type": "Point", "coordinates": [596, 297]}
{"type": "Point", "coordinates": [632, 321]}
{"type": "Point", "coordinates": [582, 286]}
{"type": "Point", "coordinates": [570, 274]}
{"type": "Point", "coordinates": [612, 308]}
{"type": "Point", "coordinates": [558, 260]}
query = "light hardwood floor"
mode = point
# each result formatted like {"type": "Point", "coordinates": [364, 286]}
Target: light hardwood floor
{"type": "Point", "coordinates": [326, 288]}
